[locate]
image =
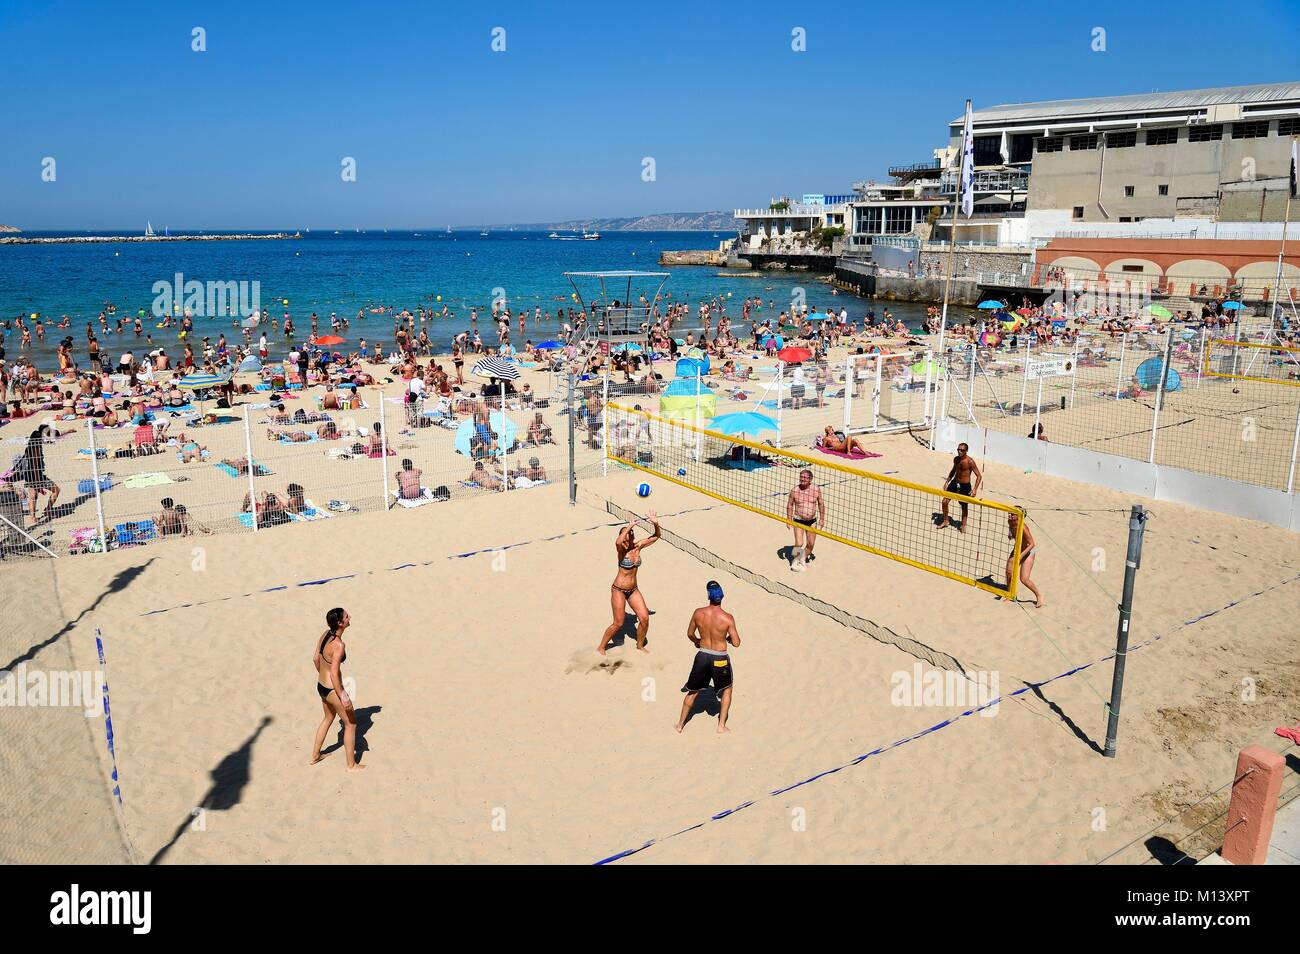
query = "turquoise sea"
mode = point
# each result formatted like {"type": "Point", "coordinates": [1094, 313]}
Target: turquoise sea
{"type": "Point", "coordinates": [345, 272]}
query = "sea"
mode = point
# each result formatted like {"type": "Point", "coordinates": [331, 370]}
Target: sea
{"type": "Point", "coordinates": [351, 272]}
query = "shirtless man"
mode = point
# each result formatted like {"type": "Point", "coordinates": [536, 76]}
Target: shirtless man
{"type": "Point", "coordinates": [806, 507]}
{"type": "Point", "coordinates": [959, 482]}
{"type": "Point", "coordinates": [711, 629]}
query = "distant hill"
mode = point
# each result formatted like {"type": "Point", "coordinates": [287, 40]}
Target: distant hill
{"type": "Point", "coordinates": [660, 222]}
{"type": "Point", "coordinates": [9, 228]}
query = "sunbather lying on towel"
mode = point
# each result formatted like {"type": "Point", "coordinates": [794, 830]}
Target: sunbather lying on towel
{"type": "Point", "coordinates": [835, 440]}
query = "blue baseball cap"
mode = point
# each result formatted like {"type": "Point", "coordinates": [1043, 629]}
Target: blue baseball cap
{"type": "Point", "coordinates": [714, 590]}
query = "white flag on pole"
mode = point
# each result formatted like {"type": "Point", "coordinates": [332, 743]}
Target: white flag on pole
{"type": "Point", "coordinates": [968, 167]}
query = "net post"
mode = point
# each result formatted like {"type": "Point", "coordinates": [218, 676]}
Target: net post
{"type": "Point", "coordinates": [1038, 408]}
{"type": "Point", "coordinates": [94, 475]}
{"type": "Point", "coordinates": [1160, 392]}
{"type": "Point", "coordinates": [780, 402]}
{"type": "Point", "coordinates": [1074, 376]}
{"type": "Point", "coordinates": [573, 413]}
{"type": "Point", "coordinates": [248, 454]}
{"type": "Point", "coordinates": [1136, 523]}
{"type": "Point", "coordinates": [699, 438]}
{"type": "Point", "coordinates": [383, 450]}
{"type": "Point", "coordinates": [1201, 363]}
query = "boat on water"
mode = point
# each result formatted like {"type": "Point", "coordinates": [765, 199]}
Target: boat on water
{"type": "Point", "coordinates": [483, 232]}
{"type": "Point", "coordinates": [148, 230]}
{"type": "Point", "coordinates": [590, 236]}
{"type": "Point", "coordinates": [553, 236]}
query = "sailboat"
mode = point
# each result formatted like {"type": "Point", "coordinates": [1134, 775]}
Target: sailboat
{"type": "Point", "coordinates": [148, 230]}
{"type": "Point", "coordinates": [449, 230]}
{"type": "Point", "coordinates": [483, 231]}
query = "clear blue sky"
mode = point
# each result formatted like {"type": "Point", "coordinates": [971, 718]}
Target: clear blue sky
{"type": "Point", "coordinates": [251, 133]}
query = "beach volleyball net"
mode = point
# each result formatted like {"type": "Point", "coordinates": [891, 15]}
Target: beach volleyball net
{"type": "Point", "coordinates": [885, 516]}
{"type": "Point", "coordinates": [1252, 361]}
{"type": "Point", "coordinates": [888, 392]}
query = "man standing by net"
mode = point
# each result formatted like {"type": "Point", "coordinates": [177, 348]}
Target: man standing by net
{"type": "Point", "coordinates": [805, 507]}
{"type": "Point", "coordinates": [959, 481]}
{"type": "Point", "coordinates": [711, 629]}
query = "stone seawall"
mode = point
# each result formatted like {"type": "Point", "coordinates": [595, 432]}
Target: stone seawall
{"type": "Point", "coordinates": [85, 239]}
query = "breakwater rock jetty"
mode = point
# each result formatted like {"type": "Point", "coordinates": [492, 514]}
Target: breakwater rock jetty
{"type": "Point", "coordinates": [88, 239]}
{"type": "Point", "coordinates": [693, 258]}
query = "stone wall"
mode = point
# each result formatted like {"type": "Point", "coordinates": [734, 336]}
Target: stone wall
{"type": "Point", "coordinates": [968, 262]}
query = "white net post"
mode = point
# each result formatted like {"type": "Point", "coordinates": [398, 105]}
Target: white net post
{"type": "Point", "coordinates": [1295, 446]}
{"type": "Point", "coordinates": [875, 391]}
{"type": "Point", "coordinates": [780, 386]}
{"type": "Point", "coordinates": [1024, 379]}
{"type": "Point", "coordinates": [930, 400]}
{"type": "Point", "coordinates": [604, 423]}
{"type": "Point", "coordinates": [248, 452]}
{"type": "Point", "coordinates": [699, 438]}
{"type": "Point", "coordinates": [505, 442]}
{"type": "Point", "coordinates": [1038, 408]}
{"type": "Point", "coordinates": [1165, 371]}
{"type": "Point", "coordinates": [1200, 358]}
{"type": "Point", "coordinates": [383, 450]}
{"type": "Point", "coordinates": [850, 383]}
{"type": "Point", "coordinates": [94, 475]}
{"type": "Point", "coordinates": [1074, 376]}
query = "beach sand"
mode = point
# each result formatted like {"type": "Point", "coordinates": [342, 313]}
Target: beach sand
{"type": "Point", "coordinates": [493, 733]}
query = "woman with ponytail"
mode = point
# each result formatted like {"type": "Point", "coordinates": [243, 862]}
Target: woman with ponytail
{"type": "Point", "coordinates": [328, 660]}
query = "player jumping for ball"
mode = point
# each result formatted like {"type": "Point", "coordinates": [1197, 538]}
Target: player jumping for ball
{"type": "Point", "coordinates": [624, 592]}
{"type": "Point", "coordinates": [711, 629]}
{"type": "Point", "coordinates": [805, 507]}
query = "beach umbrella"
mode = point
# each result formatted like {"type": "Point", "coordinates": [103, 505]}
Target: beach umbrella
{"type": "Point", "coordinates": [503, 427]}
{"type": "Point", "coordinates": [1024, 311]}
{"type": "Point", "coordinates": [1160, 311]}
{"type": "Point", "coordinates": [549, 346]}
{"type": "Point", "coordinates": [330, 340]}
{"type": "Point", "coordinates": [990, 339]}
{"type": "Point", "coordinates": [794, 355]}
{"type": "Point", "coordinates": [743, 423]}
{"type": "Point", "coordinates": [201, 383]}
{"type": "Point", "coordinates": [630, 346]}
{"type": "Point", "coordinates": [779, 341]}
{"type": "Point", "coordinates": [989, 305]}
{"type": "Point", "coordinates": [495, 368]}
{"type": "Point", "coordinates": [1232, 305]}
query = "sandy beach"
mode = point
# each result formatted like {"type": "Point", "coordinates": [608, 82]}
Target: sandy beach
{"type": "Point", "coordinates": [493, 733]}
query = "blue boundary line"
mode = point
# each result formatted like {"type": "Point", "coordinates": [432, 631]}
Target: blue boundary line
{"type": "Point", "coordinates": [719, 816]}
{"type": "Point", "coordinates": [108, 720]}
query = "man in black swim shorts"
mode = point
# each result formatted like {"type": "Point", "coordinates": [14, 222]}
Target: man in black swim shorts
{"type": "Point", "coordinates": [959, 481]}
{"type": "Point", "coordinates": [711, 629]}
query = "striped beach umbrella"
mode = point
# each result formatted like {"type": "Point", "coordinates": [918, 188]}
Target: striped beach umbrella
{"type": "Point", "coordinates": [495, 368]}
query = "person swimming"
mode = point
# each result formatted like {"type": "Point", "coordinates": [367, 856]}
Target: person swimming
{"type": "Point", "coordinates": [625, 591]}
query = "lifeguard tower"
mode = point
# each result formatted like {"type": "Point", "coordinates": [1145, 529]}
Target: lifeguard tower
{"type": "Point", "coordinates": [619, 310]}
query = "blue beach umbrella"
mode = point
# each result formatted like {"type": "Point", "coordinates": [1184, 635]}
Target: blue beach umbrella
{"type": "Point", "coordinates": [743, 423]}
{"type": "Point", "coordinates": [1232, 305]}
{"type": "Point", "coordinates": [199, 382]}
{"type": "Point", "coordinates": [549, 346]}
{"type": "Point", "coordinates": [504, 427]}
{"type": "Point", "coordinates": [990, 305]}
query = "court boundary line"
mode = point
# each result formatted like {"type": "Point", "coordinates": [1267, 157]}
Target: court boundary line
{"type": "Point", "coordinates": [1028, 687]}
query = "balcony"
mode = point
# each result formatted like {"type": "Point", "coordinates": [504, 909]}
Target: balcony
{"type": "Point", "coordinates": [1010, 181]}
{"type": "Point", "coordinates": [918, 170]}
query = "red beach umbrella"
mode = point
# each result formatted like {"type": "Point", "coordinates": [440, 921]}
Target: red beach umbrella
{"type": "Point", "coordinates": [330, 340]}
{"type": "Point", "coordinates": [793, 355]}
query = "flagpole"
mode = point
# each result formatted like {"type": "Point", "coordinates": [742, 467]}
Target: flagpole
{"type": "Point", "coordinates": [1275, 306]}
{"type": "Point", "coordinates": [952, 232]}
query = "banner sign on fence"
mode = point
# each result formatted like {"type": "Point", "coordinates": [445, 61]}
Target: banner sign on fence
{"type": "Point", "coordinates": [1049, 368]}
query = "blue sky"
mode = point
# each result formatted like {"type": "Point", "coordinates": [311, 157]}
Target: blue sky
{"type": "Point", "coordinates": [252, 132]}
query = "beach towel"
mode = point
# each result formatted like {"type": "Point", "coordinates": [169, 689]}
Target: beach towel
{"type": "Point", "coordinates": [87, 484]}
{"type": "Point", "coordinates": [100, 452]}
{"type": "Point", "coordinates": [246, 520]}
{"type": "Point", "coordinates": [1289, 732]}
{"type": "Point", "coordinates": [857, 455]}
{"type": "Point", "coordinates": [311, 512]}
{"type": "Point", "coordinates": [136, 533]}
{"type": "Point", "coordinates": [311, 439]}
{"type": "Point", "coordinates": [376, 455]}
{"type": "Point", "coordinates": [136, 481]}
{"type": "Point", "coordinates": [258, 470]}
{"type": "Point", "coordinates": [426, 496]}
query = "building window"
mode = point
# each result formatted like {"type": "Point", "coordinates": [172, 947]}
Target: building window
{"type": "Point", "coordinates": [1128, 192]}
{"type": "Point", "coordinates": [988, 150]}
{"type": "Point", "coordinates": [1022, 149]}
{"type": "Point", "coordinates": [1050, 144]}
{"type": "Point", "coordinates": [1163, 189]}
{"type": "Point", "coordinates": [898, 219]}
{"type": "Point", "coordinates": [1204, 133]}
{"type": "Point", "coordinates": [1130, 268]}
{"type": "Point", "coordinates": [869, 220]}
{"type": "Point", "coordinates": [1078, 211]}
{"type": "Point", "coordinates": [1162, 137]}
{"type": "Point", "coordinates": [1288, 127]}
{"type": "Point", "coordinates": [1255, 130]}
{"type": "Point", "coordinates": [1083, 142]}
{"type": "Point", "coordinates": [1121, 140]}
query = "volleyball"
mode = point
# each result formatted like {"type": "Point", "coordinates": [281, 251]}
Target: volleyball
{"type": "Point", "coordinates": [681, 471]}
{"type": "Point", "coordinates": [643, 490]}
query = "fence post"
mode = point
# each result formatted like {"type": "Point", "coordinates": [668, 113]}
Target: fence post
{"type": "Point", "coordinates": [849, 385]}
{"type": "Point", "coordinates": [875, 391]}
{"type": "Point", "coordinates": [1295, 445]}
{"type": "Point", "coordinates": [699, 440]}
{"type": "Point", "coordinates": [780, 386]}
{"type": "Point", "coordinates": [1160, 392]}
{"type": "Point", "coordinates": [604, 424]}
{"type": "Point", "coordinates": [1024, 379]}
{"type": "Point", "coordinates": [1038, 409]}
{"type": "Point", "coordinates": [94, 475]}
{"type": "Point", "coordinates": [1200, 359]}
{"type": "Point", "coordinates": [1074, 376]}
{"type": "Point", "coordinates": [573, 413]}
{"type": "Point", "coordinates": [1136, 523]}
{"type": "Point", "coordinates": [505, 441]}
{"type": "Point", "coordinates": [248, 452]}
{"type": "Point", "coordinates": [1119, 378]}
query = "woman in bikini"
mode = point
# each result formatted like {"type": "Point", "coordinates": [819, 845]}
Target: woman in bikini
{"type": "Point", "coordinates": [328, 660]}
{"type": "Point", "coordinates": [625, 591]}
{"type": "Point", "coordinates": [1028, 553]}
